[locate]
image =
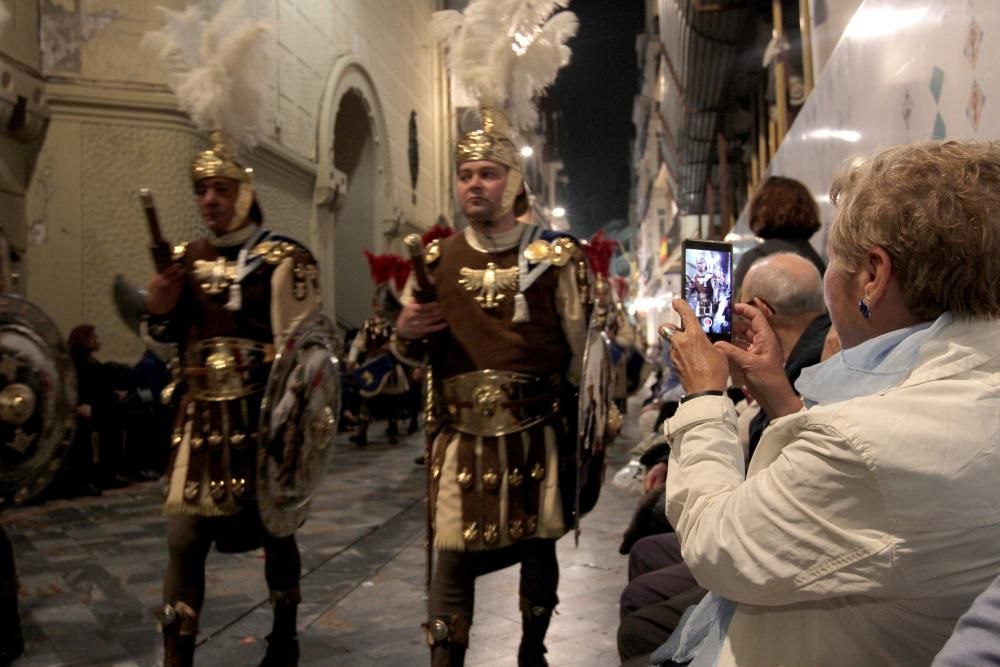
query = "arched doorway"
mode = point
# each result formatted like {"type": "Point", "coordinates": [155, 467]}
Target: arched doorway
{"type": "Point", "coordinates": [353, 190]}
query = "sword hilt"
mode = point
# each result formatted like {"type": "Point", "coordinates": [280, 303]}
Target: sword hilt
{"type": "Point", "coordinates": [425, 291]}
{"type": "Point", "coordinates": [158, 246]}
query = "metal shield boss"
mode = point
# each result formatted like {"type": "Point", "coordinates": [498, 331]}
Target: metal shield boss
{"type": "Point", "coordinates": [37, 400]}
{"type": "Point", "coordinates": [298, 424]}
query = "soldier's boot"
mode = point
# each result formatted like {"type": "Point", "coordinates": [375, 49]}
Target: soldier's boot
{"type": "Point", "coordinates": [448, 638]}
{"type": "Point", "coordinates": [360, 437]}
{"type": "Point", "coordinates": [179, 625]}
{"type": "Point", "coordinates": [283, 642]}
{"type": "Point", "coordinates": [11, 638]}
{"type": "Point", "coordinates": [392, 432]}
{"type": "Point", "coordinates": [534, 625]}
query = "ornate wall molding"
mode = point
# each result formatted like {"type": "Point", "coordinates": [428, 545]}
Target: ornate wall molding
{"type": "Point", "coordinates": [348, 74]}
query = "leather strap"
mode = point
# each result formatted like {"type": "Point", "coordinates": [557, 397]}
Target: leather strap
{"type": "Point", "coordinates": [517, 476]}
{"type": "Point", "coordinates": [536, 474]}
{"type": "Point", "coordinates": [489, 479]}
{"type": "Point", "coordinates": [472, 510]}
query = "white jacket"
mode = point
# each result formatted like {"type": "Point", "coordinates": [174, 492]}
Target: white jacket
{"type": "Point", "coordinates": [864, 528]}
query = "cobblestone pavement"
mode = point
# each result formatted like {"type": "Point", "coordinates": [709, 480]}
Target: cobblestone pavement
{"type": "Point", "coordinates": [91, 569]}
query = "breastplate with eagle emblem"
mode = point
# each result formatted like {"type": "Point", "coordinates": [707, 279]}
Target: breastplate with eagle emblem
{"type": "Point", "coordinates": [489, 282]}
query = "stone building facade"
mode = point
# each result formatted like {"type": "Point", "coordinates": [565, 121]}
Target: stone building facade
{"type": "Point", "coordinates": [356, 152]}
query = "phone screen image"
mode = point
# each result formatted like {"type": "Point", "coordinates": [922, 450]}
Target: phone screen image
{"type": "Point", "coordinates": [707, 286]}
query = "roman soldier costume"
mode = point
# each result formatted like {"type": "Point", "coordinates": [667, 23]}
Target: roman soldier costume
{"type": "Point", "coordinates": [382, 380]}
{"type": "Point", "coordinates": [609, 312]}
{"type": "Point", "coordinates": [503, 372]}
{"type": "Point", "coordinates": [247, 310]}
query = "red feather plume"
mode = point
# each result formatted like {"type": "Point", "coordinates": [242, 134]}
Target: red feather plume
{"type": "Point", "coordinates": [384, 267]}
{"type": "Point", "coordinates": [599, 251]}
{"type": "Point", "coordinates": [438, 231]}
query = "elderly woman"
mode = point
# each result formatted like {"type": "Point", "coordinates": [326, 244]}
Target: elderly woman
{"type": "Point", "coordinates": [869, 518]}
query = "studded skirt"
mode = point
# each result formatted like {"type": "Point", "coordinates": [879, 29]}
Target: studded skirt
{"type": "Point", "coordinates": [213, 458]}
{"type": "Point", "coordinates": [490, 492]}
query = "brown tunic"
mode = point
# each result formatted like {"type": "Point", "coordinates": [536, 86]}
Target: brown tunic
{"type": "Point", "coordinates": [214, 453]}
{"type": "Point", "coordinates": [479, 338]}
{"type": "Point", "coordinates": [489, 492]}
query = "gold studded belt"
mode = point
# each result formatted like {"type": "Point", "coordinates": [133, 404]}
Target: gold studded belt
{"type": "Point", "coordinates": [224, 369]}
{"type": "Point", "coordinates": [493, 403]}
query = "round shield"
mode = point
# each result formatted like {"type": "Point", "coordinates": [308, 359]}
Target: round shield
{"type": "Point", "coordinates": [298, 424]}
{"type": "Point", "coordinates": [595, 392]}
{"type": "Point", "coordinates": [37, 400]}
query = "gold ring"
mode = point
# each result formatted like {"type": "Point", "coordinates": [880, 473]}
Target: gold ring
{"type": "Point", "coordinates": [666, 332]}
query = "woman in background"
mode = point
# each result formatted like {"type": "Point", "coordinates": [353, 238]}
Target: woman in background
{"type": "Point", "coordinates": [784, 214]}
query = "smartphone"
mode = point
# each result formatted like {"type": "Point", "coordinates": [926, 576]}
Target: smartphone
{"type": "Point", "coordinates": [707, 285]}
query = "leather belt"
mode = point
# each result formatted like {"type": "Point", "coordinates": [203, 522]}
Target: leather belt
{"type": "Point", "coordinates": [492, 403]}
{"type": "Point", "coordinates": [224, 369]}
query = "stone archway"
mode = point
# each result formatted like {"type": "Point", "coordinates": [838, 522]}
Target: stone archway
{"type": "Point", "coordinates": [353, 194]}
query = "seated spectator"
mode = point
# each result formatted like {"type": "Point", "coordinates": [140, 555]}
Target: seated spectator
{"type": "Point", "coordinates": [788, 291]}
{"type": "Point", "coordinates": [79, 474]}
{"type": "Point", "coordinates": [149, 427]}
{"type": "Point", "coordinates": [114, 408]}
{"type": "Point", "coordinates": [784, 214]}
{"type": "Point", "coordinates": [866, 523]}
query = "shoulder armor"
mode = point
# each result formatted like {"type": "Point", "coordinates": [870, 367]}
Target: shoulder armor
{"type": "Point", "coordinates": [562, 250]}
{"type": "Point", "coordinates": [178, 251]}
{"type": "Point", "coordinates": [558, 251]}
{"type": "Point", "coordinates": [433, 252]}
{"type": "Point", "coordinates": [272, 251]}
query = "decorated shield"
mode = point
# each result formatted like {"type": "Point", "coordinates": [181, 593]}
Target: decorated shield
{"type": "Point", "coordinates": [37, 400]}
{"type": "Point", "coordinates": [595, 392]}
{"type": "Point", "coordinates": [598, 422]}
{"type": "Point", "coordinates": [298, 423]}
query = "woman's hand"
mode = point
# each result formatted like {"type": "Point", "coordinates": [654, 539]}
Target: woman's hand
{"type": "Point", "coordinates": [700, 366]}
{"type": "Point", "coordinates": [655, 476]}
{"type": "Point", "coordinates": [419, 320]}
{"type": "Point", "coordinates": [762, 365]}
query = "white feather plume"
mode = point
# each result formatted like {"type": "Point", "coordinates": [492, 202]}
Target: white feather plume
{"type": "Point", "coordinates": [217, 67]}
{"type": "Point", "coordinates": [507, 52]}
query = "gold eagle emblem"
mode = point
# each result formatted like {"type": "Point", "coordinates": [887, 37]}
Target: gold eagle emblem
{"type": "Point", "coordinates": [216, 275]}
{"type": "Point", "coordinates": [489, 282]}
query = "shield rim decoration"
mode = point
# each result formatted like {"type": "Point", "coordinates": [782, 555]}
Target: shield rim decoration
{"type": "Point", "coordinates": [315, 329]}
{"type": "Point", "coordinates": [19, 484]}
{"type": "Point", "coordinates": [595, 335]}
{"type": "Point", "coordinates": [583, 401]}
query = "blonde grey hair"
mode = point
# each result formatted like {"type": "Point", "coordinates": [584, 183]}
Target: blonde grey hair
{"type": "Point", "coordinates": [935, 209]}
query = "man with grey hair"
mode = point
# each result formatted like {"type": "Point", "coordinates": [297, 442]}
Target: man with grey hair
{"type": "Point", "coordinates": [789, 290]}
